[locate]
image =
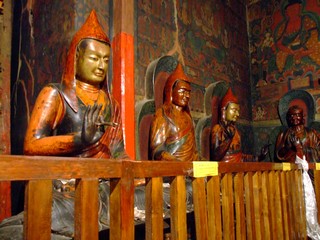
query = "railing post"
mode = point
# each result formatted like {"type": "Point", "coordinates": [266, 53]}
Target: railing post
{"type": "Point", "coordinates": [266, 205]}
{"type": "Point", "coordinates": [37, 217]}
{"type": "Point", "coordinates": [291, 191]}
{"type": "Point", "coordinates": [200, 207]}
{"type": "Point", "coordinates": [178, 208]}
{"type": "Point", "coordinates": [276, 210]}
{"type": "Point", "coordinates": [86, 209]}
{"type": "Point", "coordinates": [122, 204]}
{"type": "Point", "coordinates": [154, 208]}
{"type": "Point", "coordinates": [249, 205]}
{"type": "Point", "coordinates": [285, 205]}
{"type": "Point", "coordinates": [239, 206]}
{"type": "Point", "coordinates": [214, 209]}
{"type": "Point", "coordinates": [227, 206]}
{"type": "Point", "coordinates": [257, 201]}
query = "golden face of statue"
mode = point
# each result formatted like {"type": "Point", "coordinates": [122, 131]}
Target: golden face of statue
{"type": "Point", "coordinates": [181, 94]}
{"type": "Point", "coordinates": [92, 62]}
{"type": "Point", "coordinates": [232, 112]}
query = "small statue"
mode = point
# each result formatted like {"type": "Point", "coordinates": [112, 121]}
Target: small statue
{"type": "Point", "coordinates": [172, 136]}
{"type": "Point", "coordinates": [225, 138]}
{"type": "Point", "coordinates": [78, 117]}
{"type": "Point", "coordinates": [297, 140]}
{"type": "Point", "coordinates": [299, 144]}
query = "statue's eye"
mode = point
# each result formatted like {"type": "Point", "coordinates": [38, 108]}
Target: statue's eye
{"type": "Point", "coordinates": [93, 58]}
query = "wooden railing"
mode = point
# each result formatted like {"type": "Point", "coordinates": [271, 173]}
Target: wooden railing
{"type": "Point", "coordinates": [240, 201]}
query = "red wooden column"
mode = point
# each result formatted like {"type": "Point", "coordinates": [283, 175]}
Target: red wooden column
{"type": "Point", "coordinates": [123, 68]}
{"type": "Point", "coordinates": [5, 40]}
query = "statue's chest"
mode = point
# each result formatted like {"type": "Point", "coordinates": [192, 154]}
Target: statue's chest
{"type": "Point", "coordinates": [72, 121]}
{"type": "Point", "coordinates": [180, 126]}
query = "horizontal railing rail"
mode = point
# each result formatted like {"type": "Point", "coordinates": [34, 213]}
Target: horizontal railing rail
{"type": "Point", "coordinates": [233, 201]}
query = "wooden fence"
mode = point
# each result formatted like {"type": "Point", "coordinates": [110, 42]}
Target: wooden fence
{"type": "Point", "coordinates": [239, 201]}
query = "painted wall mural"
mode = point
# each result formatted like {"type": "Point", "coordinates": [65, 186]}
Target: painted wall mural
{"type": "Point", "coordinates": [284, 51]}
{"type": "Point", "coordinates": [207, 37]}
{"type": "Point", "coordinates": [284, 48]}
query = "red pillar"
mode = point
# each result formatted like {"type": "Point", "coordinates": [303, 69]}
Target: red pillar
{"type": "Point", "coordinates": [123, 68]}
{"type": "Point", "coordinates": [5, 39]}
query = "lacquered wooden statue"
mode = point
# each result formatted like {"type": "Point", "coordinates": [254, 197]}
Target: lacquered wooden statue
{"type": "Point", "coordinates": [299, 144]}
{"type": "Point", "coordinates": [225, 144]}
{"type": "Point", "coordinates": [78, 117]}
{"type": "Point", "coordinates": [172, 136]}
{"type": "Point", "coordinates": [297, 140]}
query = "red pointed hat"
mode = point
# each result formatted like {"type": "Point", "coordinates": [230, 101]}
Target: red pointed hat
{"type": "Point", "coordinates": [90, 29]}
{"type": "Point", "coordinates": [177, 74]}
{"type": "Point", "coordinates": [229, 97]}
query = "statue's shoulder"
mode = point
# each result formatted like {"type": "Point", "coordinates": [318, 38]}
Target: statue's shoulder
{"type": "Point", "coordinates": [54, 87]}
{"type": "Point", "coordinates": [56, 90]}
{"type": "Point", "coordinates": [50, 91]}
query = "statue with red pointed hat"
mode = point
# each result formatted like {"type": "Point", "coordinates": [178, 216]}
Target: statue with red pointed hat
{"type": "Point", "coordinates": [225, 141]}
{"type": "Point", "coordinates": [79, 116]}
{"type": "Point", "coordinates": [172, 136]}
